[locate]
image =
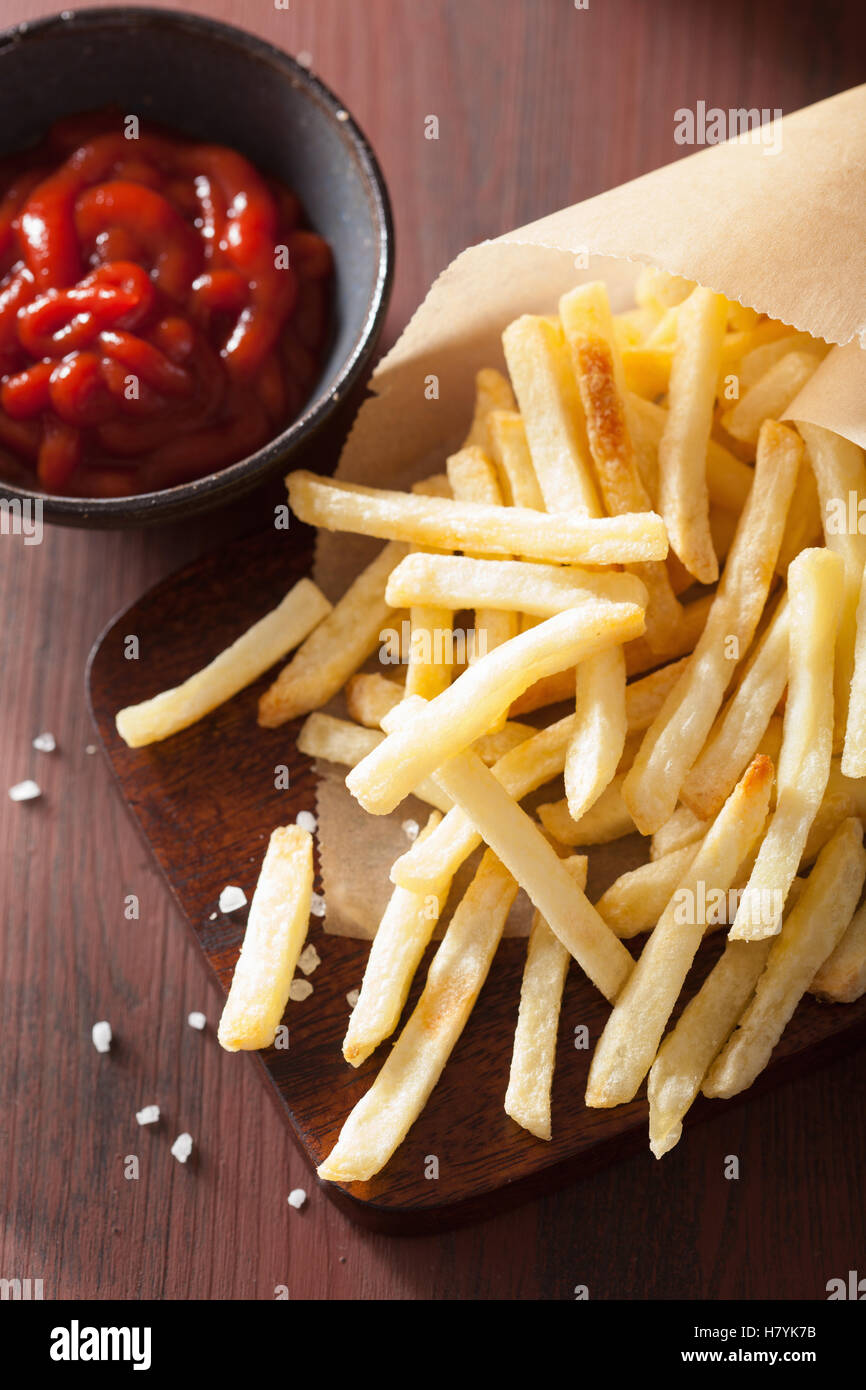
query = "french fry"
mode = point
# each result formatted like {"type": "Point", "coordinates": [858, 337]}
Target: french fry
{"type": "Point", "coordinates": [336, 648]}
{"type": "Point", "coordinates": [520, 771]}
{"type": "Point", "coordinates": [675, 738]}
{"type": "Point", "coordinates": [339, 741]}
{"type": "Point", "coordinates": [803, 526]}
{"type": "Point", "coordinates": [659, 290]}
{"type": "Point", "coordinates": [588, 326]}
{"type": "Point", "coordinates": [742, 723]}
{"type": "Point", "coordinates": [810, 934]}
{"type": "Point", "coordinates": [645, 697]}
{"type": "Point", "coordinates": [598, 741]}
{"type": "Point", "coordinates": [815, 586]}
{"type": "Point", "coordinates": [369, 697]}
{"type": "Point", "coordinates": [534, 863]}
{"type": "Point", "coordinates": [492, 392]}
{"type": "Point", "coordinates": [630, 1040]}
{"type": "Point", "coordinates": [509, 450]}
{"type": "Point", "coordinates": [728, 478]}
{"type": "Point", "coordinates": [843, 797]}
{"type": "Point", "coordinates": [842, 977]}
{"type": "Point", "coordinates": [607, 819]}
{"type": "Point", "coordinates": [482, 694]}
{"type": "Point", "coordinates": [683, 496]}
{"type": "Point", "coordinates": [755, 363]}
{"type": "Point", "coordinates": [277, 924]}
{"type": "Point", "coordinates": [538, 362]}
{"type": "Point", "coordinates": [854, 750]}
{"type": "Point", "coordinates": [303, 608]}
{"type": "Point", "coordinates": [447, 525]}
{"type": "Point", "coordinates": [688, 1050]}
{"type": "Point", "coordinates": [680, 829]}
{"type": "Point", "coordinates": [840, 472]}
{"type": "Point", "coordinates": [636, 900]}
{"type": "Point", "coordinates": [527, 1099]}
{"type": "Point", "coordinates": [428, 670]}
{"type": "Point", "coordinates": [382, 1118]}
{"type": "Point", "coordinates": [770, 396]}
{"type": "Point", "coordinates": [400, 941]}
{"type": "Point", "coordinates": [457, 581]}
{"type": "Point", "coordinates": [473, 479]}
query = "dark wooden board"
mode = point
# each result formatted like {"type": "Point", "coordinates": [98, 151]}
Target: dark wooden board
{"type": "Point", "coordinates": [205, 802]}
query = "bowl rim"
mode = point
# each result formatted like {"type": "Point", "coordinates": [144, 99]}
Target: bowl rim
{"type": "Point", "coordinates": [210, 490]}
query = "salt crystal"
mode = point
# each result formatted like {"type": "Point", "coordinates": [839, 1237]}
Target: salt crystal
{"type": "Point", "coordinates": [231, 898]}
{"type": "Point", "coordinates": [25, 791]}
{"type": "Point", "coordinates": [410, 829]}
{"type": "Point", "coordinates": [305, 820]}
{"type": "Point", "coordinates": [182, 1147]}
{"type": "Point", "coordinates": [305, 58]}
{"type": "Point", "coordinates": [213, 917]}
{"type": "Point", "coordinates": [196, 1020]}
{"type": "Point", "coordinates": [317, 905]}
{"type": "Point", "coordinates": [300, 989]}
{"type": "Point", "coordinates": [45, 743]}
{"type": "Point", "coordinates": [352, 997]}
{"type": "Point", "coordinates": [309, 959]}
{"type": "Point", "coordinates": [101, 1035]}
{"type": "Point", "coordinates": [297, 1198]}
{"type": "Point", "coordinates": [90, 749]}
{"type": "Point", "coordinates": [342, 115]}
{"type": "Point", "coordinates": [148, 1116]}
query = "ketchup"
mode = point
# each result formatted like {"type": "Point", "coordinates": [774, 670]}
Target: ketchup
{"type": "Point", "coordinates": [163, 311]}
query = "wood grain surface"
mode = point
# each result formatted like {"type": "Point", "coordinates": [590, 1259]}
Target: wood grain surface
{"type": "Point", "coordinates": [540, 104]}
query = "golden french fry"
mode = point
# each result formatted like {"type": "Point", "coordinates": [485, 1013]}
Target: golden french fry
{"type": "Point", "coordinates": [457, 581]}
{"type": "Point", "coordinates": [520, 771]}
{"type": "Point", "coordinates": [803, 526]}
{"type": "Point", "coordinates": [659, 290]}
{"type": "Point", "coordinates": [336, 648]}
{"type": "Point", "coordinates": [815, 586]}
{"type": "Point", "coordinates": [854, 751]}
{"type": "Point", "coordinates": [276, 927]}
{"type": "Point", "coordinates": [597, 744]}
{"type": "Point", "coordinates": [810, 934]}
{"type": "Point", "coordinates": [675, 738]}
{"type": "Point", "coordinates": [303, 608]}
{"type": "Point", "coordinates": [534, 863]}
{"type": "Point", "coordinates": [742, 723]}
{"type": "Point", "coordinates": [509, 450]}
{"type": "Point", "coordinates": [840, 474]}
{"type": "Point", "coordinates": [435, 521]}
{"type": "Point", "coordinates": [492, 392]}
{"type": "Point", "coordinates": [770, 396]}
{"type": "Point", "coordinates": [540, 370]}
{"type": "Point", "coordinates": [400, 941]}
{"type": "Point", "coordinates": [380, 1121]}
{"type": "Point", "coordinates": [527, 1099]}
{"type": "Point", "coordinates": [607, 819]}
{"type": "Point", "coordinates": [636, 900]}
{"type": "Point", "coordinates": [728, 478]}
{"type": "Point", "coordinates": [482, 694]}
{"type": "Point", "coordinates": [842, 977]}
{"type": "Point", "coordinates": [688, 1050]}
{"type": "Point", "coordinates": [683, 496]}
{"type": "Point", "coordinates": [369, 697]}
{"type": "Point", "coordinates": [645, 697]}
{"type": "Point", "coordinates": [429, 667]}
{"type": "Point", "coordinates": [339, 741]}
{"type": "Point", "coordinates": [755, 363]}
{"type": "Point", "coordinates": [630, 1040]}
{"type": "Point", "coordinates": [473, 479]}
{"type": "Point", "coordinates": [843, 797]}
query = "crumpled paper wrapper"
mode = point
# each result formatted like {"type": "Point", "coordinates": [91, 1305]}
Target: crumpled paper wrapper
{"type": "Point", "coordinates": [782, 232]}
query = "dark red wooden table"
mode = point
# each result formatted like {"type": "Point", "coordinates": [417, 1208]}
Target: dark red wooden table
{"type": "Point", "coordinates": [540, 104]}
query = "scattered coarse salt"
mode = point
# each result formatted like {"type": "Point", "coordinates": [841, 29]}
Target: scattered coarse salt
{"type": "Point", "coordinates": [410, 829]}
{"type": "Point", "coordinates": [182, 1147]}
{"type": "Point", "coordinates": [196, 1020]}
{"type": "Point", "coordinates": [309, 959]}
{"type": "Point", "coordinates": [305, 820]}
{"type": "Point", "coordinates": [305, 58]}
{"type": "Point", "coordinates": [342, 115]}
{"type": "Point", "coordinates": [231, 898]}
{"type": "Point", "coordinates": [25, 791]}
{"type": "Point", "coordinates": [45, 743]}
{"type": "Point", "coordinates": [352, 997]}
{"type": "Point", "coordinates": [213, 917]}
{"type": "Point", "coordinates": [317, 905]}
{"type": "Point", "coordinates": [297, 1198]}
{"type": "Point", "coordinates": [300, 989]}
{"type": "Point", "coordinates": [90, 749]}
{"type": "Point", "coordinates": [101, 1035]}
{"type": "Point", "coordinates": [148, 1116]}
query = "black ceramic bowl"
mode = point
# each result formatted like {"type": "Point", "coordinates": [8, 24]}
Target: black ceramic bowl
{"type": "Point", "coordinates": [213, 82]}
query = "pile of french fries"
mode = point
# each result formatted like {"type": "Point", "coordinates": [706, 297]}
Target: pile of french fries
{"type": "Point", "coordinates": [632, 531]}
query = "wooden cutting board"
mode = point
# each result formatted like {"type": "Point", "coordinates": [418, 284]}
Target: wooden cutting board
{"type": "Point", "coordinates": [205, 802]}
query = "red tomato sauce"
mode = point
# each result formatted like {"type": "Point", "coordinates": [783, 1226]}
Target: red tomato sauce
{"type": "Point", "coordinates": [163, 310]}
